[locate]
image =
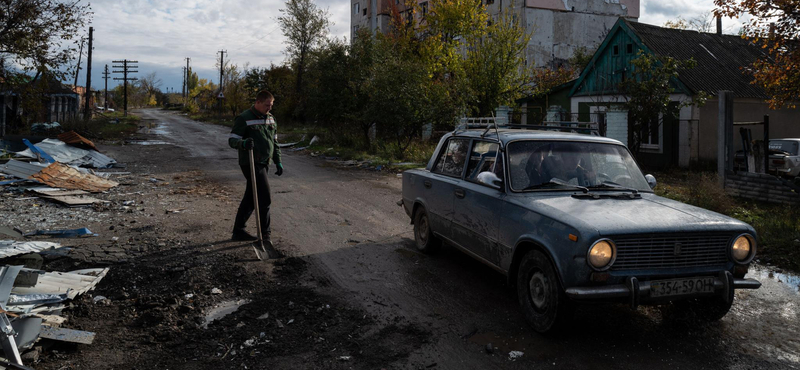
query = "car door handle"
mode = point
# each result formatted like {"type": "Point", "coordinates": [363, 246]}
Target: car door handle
{"type": "Point", "coordinates": [427, 184]}
{"type": "Point", "coordinates": [460, 194]}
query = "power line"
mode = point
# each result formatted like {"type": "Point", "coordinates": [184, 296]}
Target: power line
{"type": "Point", "coordinates": [126, 64]}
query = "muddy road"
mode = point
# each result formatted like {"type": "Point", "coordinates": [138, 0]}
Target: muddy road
{"type": "Point", "coordinates": [351, 246]}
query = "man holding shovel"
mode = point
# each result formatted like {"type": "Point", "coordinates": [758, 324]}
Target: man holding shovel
{"type": "Point", "coordinates": [254, 134]}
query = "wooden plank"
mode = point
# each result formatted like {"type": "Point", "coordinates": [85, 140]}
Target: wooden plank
{"type": "Point", "coordinates": [67, 335]}
{"type": "Point", "coordinates": [75, 200]}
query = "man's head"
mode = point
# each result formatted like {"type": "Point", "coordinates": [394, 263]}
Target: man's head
{"type": "Point", "coordinates": [263, 102]}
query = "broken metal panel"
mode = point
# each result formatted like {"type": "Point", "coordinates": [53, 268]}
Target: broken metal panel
{"type": "Point", "coordinates": [74, 139]}
{"type": "Point", "coordinates": [7, 340]}
{"type": "Point", "coordinates": [35, 299]}
{"type": "Point", "coordinates": [64, 153]}
{"type": "Point", "coordinates": [62, 176]}
{"type": "Point", "coordinates": [27, 330]}
{"type": "Point", "coordinates": [70, 283]}
{"type": "Point", "coordinates": [7, 276]}
{"type": "Point", "coordinates": [22, 170]}
{"type": "Point", "coordinates": [51, 192]}
{"type": "Point", "coordinates": [67, 335]}
{"type": "Point", "coordinates": [9, 248]}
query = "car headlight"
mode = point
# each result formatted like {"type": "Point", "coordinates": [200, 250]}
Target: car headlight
{"type": "Point", "coordinates": [743, 249]}
{"type": "Point", "coordinates": [602, 254]}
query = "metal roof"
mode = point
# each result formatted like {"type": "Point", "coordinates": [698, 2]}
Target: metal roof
{"type": "Point", "coordinates": [21, 169]}
{"type": "Point", "coordinates": [70, 283]}
{"type": "Point", "coordinates": [68, 154]}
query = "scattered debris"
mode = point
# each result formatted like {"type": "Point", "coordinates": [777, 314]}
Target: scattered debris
{"type": "Point", "coordinates": [216, 291]}
{"type": "Point", "coordinates": [314, 140]}
{"type": "Point", "coordinates": [489, 348]}
{"type": "Point", "coordinates": [344, 358]}
{"type": "Point", "coordinates": [62, 176]}
{"type": "Point", "coordinates": [59, 151]}
{"type": "Point", "coordinates": [514, 355]}
{"type": "Point", "coordinates": [72, 138]}
{"type": "Point", "coordinates": [38, 153]}
{"type": "Point", "coordinates": [22, 170]}
{"type": "Point", "coordinates": [82, 232]}
{"type": "Point", "coordinates": [67, 335]}
{"type": "Point", "coordinates": [10, 248]}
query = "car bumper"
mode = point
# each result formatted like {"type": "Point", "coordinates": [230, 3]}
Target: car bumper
{"type": "Point", "coordinates": [639, 291]}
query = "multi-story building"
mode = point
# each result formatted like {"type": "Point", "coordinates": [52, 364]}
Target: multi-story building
{"type": "Point", "coordinates": [558, 27]}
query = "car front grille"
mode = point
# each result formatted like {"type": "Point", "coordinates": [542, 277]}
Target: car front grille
{"type": "Point", "coordinates": [635, 252]}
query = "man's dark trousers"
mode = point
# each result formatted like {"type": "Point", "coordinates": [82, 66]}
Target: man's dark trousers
{"type": "Point", "coordinates": [246, 207]}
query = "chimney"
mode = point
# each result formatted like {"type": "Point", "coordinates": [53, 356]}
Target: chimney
{"type": "Point", "coordinates": [719, 25]}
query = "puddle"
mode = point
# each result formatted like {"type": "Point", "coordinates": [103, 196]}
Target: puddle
{"type": "Point", "coordinates": [149, 142]}
{"type": "Point", "coordinates": [223, 309]}
{"type": "Point", "coordinates": [767, 275]}
{"type": "Point", "coordinates": [153, 128]}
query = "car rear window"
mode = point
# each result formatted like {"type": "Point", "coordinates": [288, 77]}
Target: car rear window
{"type": "Point", "coordinates": [784, 146]}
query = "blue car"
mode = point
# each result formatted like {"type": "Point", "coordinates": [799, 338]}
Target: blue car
{"type": "Point", "coordinates": [571, 218]}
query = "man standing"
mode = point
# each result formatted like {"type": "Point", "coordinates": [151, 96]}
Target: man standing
{"type": "Point", "coordinates": [256, 129]}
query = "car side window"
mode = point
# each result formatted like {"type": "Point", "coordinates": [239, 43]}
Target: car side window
{"type": "Point", "coordinates": [451, 162]}
{"type": "Point", "coordinates": [483, 157]}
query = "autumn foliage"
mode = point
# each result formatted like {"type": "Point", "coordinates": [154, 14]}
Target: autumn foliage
{"type": "Point", "coordinates": [775, 26]}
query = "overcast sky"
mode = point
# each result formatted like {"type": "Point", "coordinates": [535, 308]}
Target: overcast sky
{"type": "Point", "coordinates": [160, 34]}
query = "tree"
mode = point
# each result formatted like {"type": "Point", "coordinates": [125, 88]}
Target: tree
{"type": "Point", "coordinates": [775, 26]}
{"type": "Point", "coordinates": [150, 85]}
{"type": "Point", "coordinates": [305, 27]}
{"type": "Point", "coordinates": [647, 92]}
{"type": "Point", "coordinates": [495, 64]}
{"type": "Point", "coordinates": [33, 33]}
{"type": "Point", "coordinates": [702, 23]}
{"type": "Point", "coordinates": [237, 96]}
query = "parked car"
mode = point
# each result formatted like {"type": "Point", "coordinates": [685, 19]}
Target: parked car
{"type": "Point", "coordinates": [571, 218]}
{"type": "Point", "coordinates": [784, 158]}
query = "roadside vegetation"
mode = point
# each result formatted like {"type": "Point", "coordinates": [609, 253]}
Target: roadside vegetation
{"type": "Point", "coordinates": [777, 225]}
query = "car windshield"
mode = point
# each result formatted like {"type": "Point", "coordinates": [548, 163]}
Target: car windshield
{"type": "Point", "coordinates": [787, 146]}
{"type": "Point", "coordinates": [554, 165]}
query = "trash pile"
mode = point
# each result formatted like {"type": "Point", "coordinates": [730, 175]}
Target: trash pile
{"type": "Point", "coordinates": [60, 164]}
{"type": "Point", "coordinates": [31, 300]}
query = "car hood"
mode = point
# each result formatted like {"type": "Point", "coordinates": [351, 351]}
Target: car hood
{"type": "Point", "coordinates": [614, 216]}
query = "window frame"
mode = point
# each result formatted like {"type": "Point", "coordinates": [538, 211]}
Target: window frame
{"type": "Point", "coordinates": [499, 153]}
{"type": "Point", "coordinates": [443, 152]}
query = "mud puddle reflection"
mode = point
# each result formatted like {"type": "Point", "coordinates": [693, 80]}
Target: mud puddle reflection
{"type": "Point", "coordinates": [766, 322]}
{"type": "Point", "coordinates": [153, 128]}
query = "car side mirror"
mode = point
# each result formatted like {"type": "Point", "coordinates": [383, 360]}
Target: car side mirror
{"type": "Point", "coordinates": [490, 179]}
{"type": "Point", "coordinates": [651, 180]}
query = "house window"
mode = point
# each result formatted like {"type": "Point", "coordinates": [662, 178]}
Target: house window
{"type": "Point", "coordinates": [651, 135]}
{"type": "Point", "coordinates": [356, 8]}
{"type": "Point", "coordinates": [629, 48]}
{"type": "Point", "coordinates": [424, 8]}
{"type": "Point", "coordinates": [489, 2]}
{"type": "Point", "coordinates": [365, 11]}
{"type": "Point", "coordinates": [355, 30]}
{"type": "Point", "coordinates": [616, 49]}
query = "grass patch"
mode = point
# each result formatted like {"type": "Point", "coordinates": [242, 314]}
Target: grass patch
{"type": "Point", "coordinates": [213, 118]}
{"type": "Point", "coordinates": [778, 226]}
{"type": "Point", "coordinates": [107, 126]}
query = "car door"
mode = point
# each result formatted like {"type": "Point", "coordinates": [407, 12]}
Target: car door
{"type": "Point", "coordinates": [439, 190]}
{"type": "Point", "coordinates": [478, 206]}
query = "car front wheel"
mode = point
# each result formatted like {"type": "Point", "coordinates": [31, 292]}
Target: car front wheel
{"type": "Point", "coordinates": [423, 236]}
{"type": "Point", "coordinates": [544, 303]}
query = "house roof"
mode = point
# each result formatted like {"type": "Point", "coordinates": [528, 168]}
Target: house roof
{"type": "Point", "coordinates": [721, 59]}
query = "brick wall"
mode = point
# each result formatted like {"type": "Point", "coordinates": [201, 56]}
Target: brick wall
{"type": "Point", "coordinates": [762, 187]}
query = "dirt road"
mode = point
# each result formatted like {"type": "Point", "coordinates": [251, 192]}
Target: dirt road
{"type": "Point", "coordinates": [351, 248]}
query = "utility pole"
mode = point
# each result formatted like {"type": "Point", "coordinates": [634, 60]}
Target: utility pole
{"type": "Point", "coordinates": [77, 70]}
{"type": "Point", "coordinates": [126, 65]}
{"type": "Point", "coordinates": [187, 77]}
{"type": "Point", "coordinates": [87, 113]}
{"type": "Point", "coordinates": [183, 86]}
{"type": "Point", "coordinates": [221, 69]}
{"type": "Point", "coordinates": [105, 77]}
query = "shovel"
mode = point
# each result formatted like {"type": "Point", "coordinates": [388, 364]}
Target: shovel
{"type": "Point", "coordinates": [258, 245]}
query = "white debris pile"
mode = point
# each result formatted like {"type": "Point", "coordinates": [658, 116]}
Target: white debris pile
{"type": "Point", "coordinates": [31, 301]}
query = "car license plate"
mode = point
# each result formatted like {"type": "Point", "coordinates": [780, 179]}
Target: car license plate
{"type": "Point", "coordinates": [674, 287]}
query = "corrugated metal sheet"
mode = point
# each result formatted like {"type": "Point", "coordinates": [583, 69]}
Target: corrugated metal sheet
{"type": "Point", "coordinates": [70, 283]}
{"type": "Point", "coordinates": [10, 248]}
{"type": "Point", "coordinates": [59, 175]}
{"type": "Point", "coordinates": [21, 169]}
{"type": "Point", "coordinates": [74, 139]}
{"type": "Point", "coordinates": [68, 154]}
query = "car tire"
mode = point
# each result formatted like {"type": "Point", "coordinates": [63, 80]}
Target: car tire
{"type": "Point", "coordinates": [541, 297]}
{"type": "Point", "coordinates": [424, 239]}
{"type": "Point", "coordinates": [704, 309]}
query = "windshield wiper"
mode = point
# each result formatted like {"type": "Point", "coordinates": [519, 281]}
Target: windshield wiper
{"type": "Point", "coordinates": [613, 185]}
{"type": "Point", "coordinates": [556, 182]}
